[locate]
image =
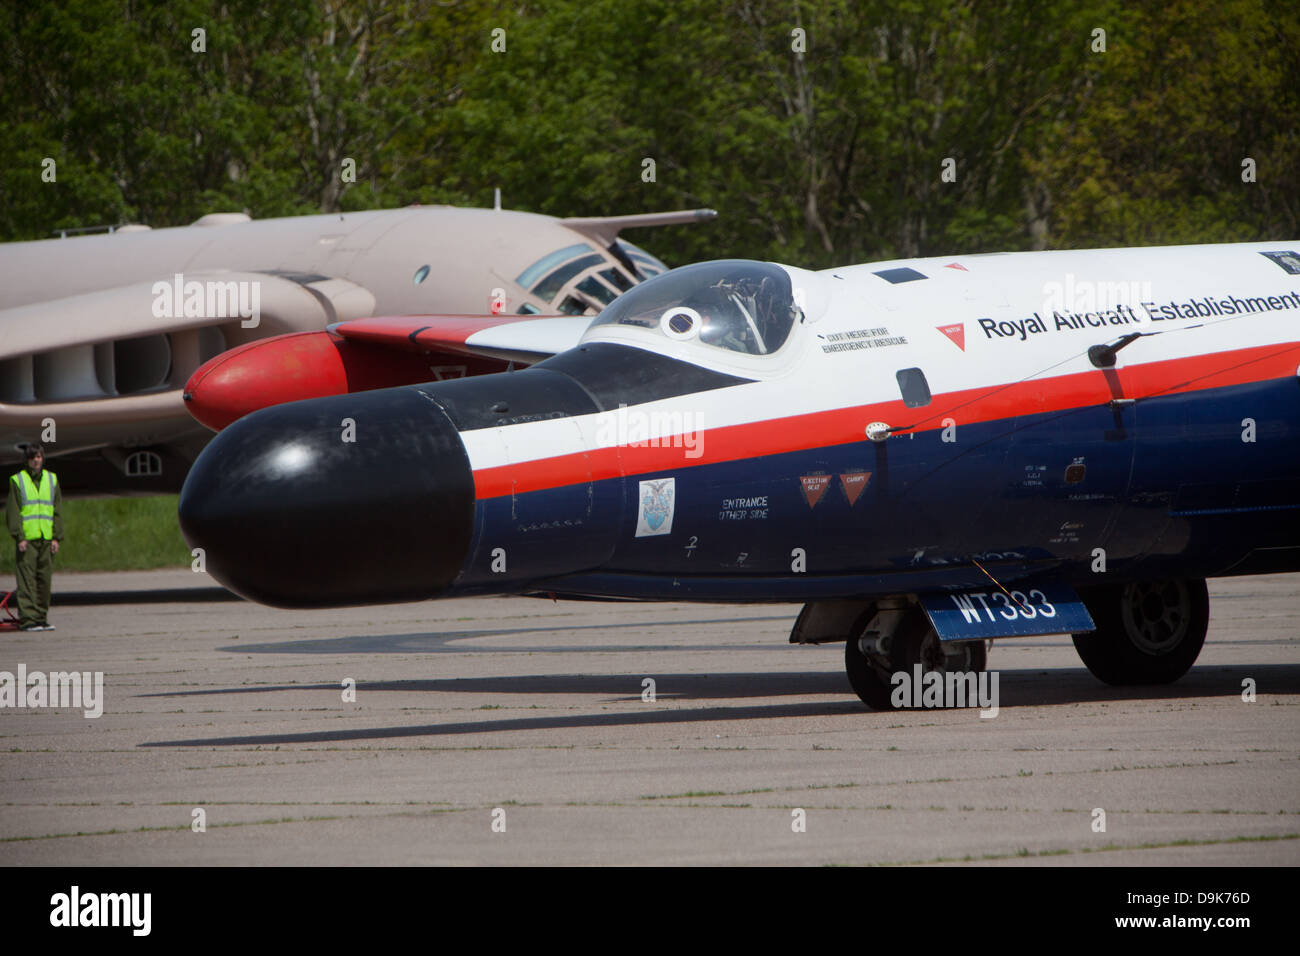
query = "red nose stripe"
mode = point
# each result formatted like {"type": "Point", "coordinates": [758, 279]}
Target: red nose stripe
{"type": "Point", "coordinates": [846, 425]}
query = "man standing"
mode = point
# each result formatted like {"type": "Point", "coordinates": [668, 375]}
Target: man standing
{"type": "Point", "coordinates": [35, 522]}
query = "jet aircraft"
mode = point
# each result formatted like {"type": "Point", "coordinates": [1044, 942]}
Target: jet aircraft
{"type": "Point", "coordinates": [925, 453]}
{"type": "Point", "coordinates": [98, 334]}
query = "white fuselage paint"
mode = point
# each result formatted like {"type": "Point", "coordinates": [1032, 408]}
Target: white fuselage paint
{"type": "Point", "coordinates": [809, 374]}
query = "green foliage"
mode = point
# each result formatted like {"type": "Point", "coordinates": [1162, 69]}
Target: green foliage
{"type": "Point", "coordinates": [819, 156]}
{"type": "Point", "coordinates": [1188, 91]}
{"type": "Point", "coordinates": [144, 127]}
{"type": "Point", "coordinates": [113, 534]}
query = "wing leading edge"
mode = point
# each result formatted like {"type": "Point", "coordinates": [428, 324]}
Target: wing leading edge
{"type": "Point", "coordinates": [365, 354]}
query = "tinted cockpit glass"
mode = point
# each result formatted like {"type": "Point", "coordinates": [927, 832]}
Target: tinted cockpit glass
{"type": "Point", "coordinates": [553, 283]}
{"type": "Point", "coordinates": [549, 262]}
{"type": "Point", "coordinates": [733, 304]}
{"type": "Point", "coordinates": [646, 264]}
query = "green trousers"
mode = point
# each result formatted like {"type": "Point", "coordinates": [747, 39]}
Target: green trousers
{"type": "Point", "coordinates": [35, 573]}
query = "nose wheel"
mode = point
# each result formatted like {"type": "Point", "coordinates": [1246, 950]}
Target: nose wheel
{"type": "Point", "coordinates": [876, 651]}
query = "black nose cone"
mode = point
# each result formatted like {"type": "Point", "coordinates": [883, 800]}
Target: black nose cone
{"type": "Point", "coordinates": [366, 498]}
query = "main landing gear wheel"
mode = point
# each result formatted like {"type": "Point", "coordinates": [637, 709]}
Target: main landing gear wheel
{"type": "Point", "coordinates": [1148, 632]}
{"type": "Point", "coordinates": [871, 657]}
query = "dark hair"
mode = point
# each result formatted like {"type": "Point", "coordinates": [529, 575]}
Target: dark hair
{"type": "Point", "coordinates": [34, 450]}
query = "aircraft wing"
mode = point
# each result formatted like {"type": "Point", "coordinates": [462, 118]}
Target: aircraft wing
{"type": "Point", "coordinates": [365, 354]}
{"type": "Point", "coordinates": [520, 339]}
{"type": "Point", "coordinates": [123, 353]}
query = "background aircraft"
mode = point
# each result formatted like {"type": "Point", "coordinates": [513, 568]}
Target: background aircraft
{"type": "Point", "coordinates": [98, 334]}
{"type": "Point", "coordinates": [926, 453]}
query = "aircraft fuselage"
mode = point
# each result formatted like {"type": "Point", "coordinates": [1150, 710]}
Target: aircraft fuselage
{"type": "Point", "coordinates": [652, 463]}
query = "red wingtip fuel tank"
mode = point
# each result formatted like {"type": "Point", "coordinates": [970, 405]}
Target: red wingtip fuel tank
{"type": "Point", "coordinates": [288, 368]}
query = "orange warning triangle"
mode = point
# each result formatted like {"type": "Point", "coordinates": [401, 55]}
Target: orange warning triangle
{"type": "Point", "coordinates": [955, 332]}
{"type": "Point", "coordinates": [855, 482]}
{"type": "Point", "coordinates": [814, 486]}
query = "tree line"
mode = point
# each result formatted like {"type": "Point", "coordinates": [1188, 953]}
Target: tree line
{"type": "Point", "coordinates": [823, 132]}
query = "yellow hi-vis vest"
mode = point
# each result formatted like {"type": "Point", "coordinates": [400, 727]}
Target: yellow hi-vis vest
{"type": "Point", "coordinates": [37, 504]}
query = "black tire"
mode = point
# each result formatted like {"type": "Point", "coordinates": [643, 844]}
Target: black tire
{"type": "Point", "coordinates": [1148, 632]}
{"type": "Point", "coordinates": [868, 676]}
{"type": "Point", "coordinates": [913, 642]}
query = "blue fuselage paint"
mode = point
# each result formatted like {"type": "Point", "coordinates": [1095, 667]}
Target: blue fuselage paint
{"type": "Point", "coordinates": [1168, 488]}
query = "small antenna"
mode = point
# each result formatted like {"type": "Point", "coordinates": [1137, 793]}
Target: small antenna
{"type": "Point", "coordinates": [1103, 356]}
{"type": "Point", "coordinates": [496, 198]}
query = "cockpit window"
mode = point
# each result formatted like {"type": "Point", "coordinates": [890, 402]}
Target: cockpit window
{"type": "Point", "coordinates": [645, 263]}
{"type": "Point", "coordinates": [571, 306]}
{"type": "Point", "coordinates": [733, 304]}
{"type": "Point", "coordinates": [553, 283]}
{"type": "Point", "coordinates": [616, 278]}
{"type": "Point", "coordinates": [547, 263]}
{"type": "Point", "coordinates": [597, 290]}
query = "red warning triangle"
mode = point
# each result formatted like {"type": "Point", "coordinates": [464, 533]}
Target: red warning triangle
{"type": "Point", "coordinates": [956, 265]}
{"type": "Point", "coordinates": [854, 483]}
{"type": "Point", "coordinates": [955, 332]}
{"type": "Point", "coordinates": [814, 486]}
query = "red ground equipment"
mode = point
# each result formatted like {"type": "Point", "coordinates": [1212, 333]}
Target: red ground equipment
{"type": "Point", "coordinates": [8, 620]}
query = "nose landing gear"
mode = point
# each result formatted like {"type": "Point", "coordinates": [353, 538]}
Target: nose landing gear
{"type": "Point", "coordinates": [889, 639]}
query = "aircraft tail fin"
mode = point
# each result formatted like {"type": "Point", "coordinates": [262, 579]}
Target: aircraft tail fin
{"type": "Point", "coordinates": [605, 229]}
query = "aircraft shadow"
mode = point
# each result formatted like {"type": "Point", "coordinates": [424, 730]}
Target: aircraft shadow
{"type": "Point", "coordinates": [1033, 688]}
{"type": "Point", "coordinates": [573, 722]}
{"type": "Point", "coordinates": [618, 687]}
{"type": "Point", "coordinates": [427, 642]}
{"type": "Point", "coordinates": [158, 596]}
{"type": "Point", "coordinates": [1025, 688]}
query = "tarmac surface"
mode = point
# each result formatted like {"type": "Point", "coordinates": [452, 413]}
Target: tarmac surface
{"type": "Point", "coordinates": [517, 731]}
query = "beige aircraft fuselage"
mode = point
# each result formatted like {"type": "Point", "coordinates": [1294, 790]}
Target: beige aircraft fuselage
{"type": "Point", "coordinates": [98, 334]}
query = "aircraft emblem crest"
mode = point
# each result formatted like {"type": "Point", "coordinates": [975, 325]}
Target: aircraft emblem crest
{"type": "Point", "coordinates": [657, 505]}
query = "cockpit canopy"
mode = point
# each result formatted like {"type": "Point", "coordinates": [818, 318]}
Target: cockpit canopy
{"type": "Point", "coordinates": [579, 279]}
{"type": "Point", "coordinates": [735, 304]}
